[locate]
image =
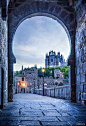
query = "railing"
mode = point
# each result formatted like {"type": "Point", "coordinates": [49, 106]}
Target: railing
{"type": "Point", "coordinates": [58, 92]}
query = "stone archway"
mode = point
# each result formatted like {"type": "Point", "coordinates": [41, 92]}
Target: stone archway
{"type": "Point", "coordinates": [19, 11]}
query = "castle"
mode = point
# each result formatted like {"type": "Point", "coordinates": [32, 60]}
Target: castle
{"type": "Point", "coordinates": [53, 60]}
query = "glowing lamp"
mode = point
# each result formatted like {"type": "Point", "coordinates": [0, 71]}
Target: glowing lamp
{"type": "Point", "coordinates": [42, 70]}
{"type": "Point", "coordinates": [23, 84]}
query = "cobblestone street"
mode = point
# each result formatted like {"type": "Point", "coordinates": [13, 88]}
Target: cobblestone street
{"type": "Point", "coordinates": [31, 109]}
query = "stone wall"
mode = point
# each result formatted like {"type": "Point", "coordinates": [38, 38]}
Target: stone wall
{"type": "Point", "coordinates": [80, 45]}
{"type": "Point", "coordinates": [49, 81]}
{"type": "Point", "coordinates": [58, 92]}
{"type": "Point", "coordinates": [3, 60]}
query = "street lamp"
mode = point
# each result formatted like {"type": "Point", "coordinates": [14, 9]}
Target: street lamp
{"type": "Point", "coordinates": [34, 86]}
{"type": "Point", "coordinates": [43, 70]}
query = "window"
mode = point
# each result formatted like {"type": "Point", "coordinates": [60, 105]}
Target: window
{"type": "Point", "coordinates": [22, 78]}
{"type": "Point", "coordinates": [51, 60]}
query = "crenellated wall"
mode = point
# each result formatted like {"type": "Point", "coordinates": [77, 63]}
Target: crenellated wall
{"type": "Point", "coordinates": [80, 50]}
{"type": "Point", "coordinates": [3, 62]}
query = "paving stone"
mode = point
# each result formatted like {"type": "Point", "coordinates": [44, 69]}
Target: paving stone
{"type": "Point", "coordinates": [3, 123]}
{"type": "Point", "coordinates": [3, 118]}
{"type": "Point", "coordinates": [46, 118]}
{"type": "Point", "coordinates": [13, 123]}
{"type": "Point", "coordinates": [73, 123]}
{"type": "Point", "coordinates": [65, 114]}
{"type": "Point", "coordinates": [31, 113]}
{"type": "Point", "coordinates": [62, 118]}
{"type": "Point", "coordinates": [30, 123]}
{"type": "Point", "coordinates": [49, 123]}
{"type": "Point", "coordinates": [10, 114]}
{"type": "Point", "coordinates": [32, 118]}
{"type": "Point", "coordinates": [51, 113]}
{"type": "Point", "coordinates": [80, 118]}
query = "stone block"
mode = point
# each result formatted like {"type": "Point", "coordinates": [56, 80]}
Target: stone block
{"type": "Point", "coordinates": [78, 79]}
{"type": "Point", "coordinates": [48, 123]}
{"type": "Point", "coordinates": [85, 49]}
{"type": "Point", "coordinates": [84, 67]}
{"type": "Point", "coordinates": [77, 69]}
{"type": "Point", "coordinates": [84, 58]}
{"type": "Point", "coordinates": [77, 88]}
{"type": "Point", "coordinates": [84, 87]}
{"type": "Point", "coordinates": [77, 62]}
{"type": "Point", "coordinates": [85, 33]}
{"type": "Point", "coordinates": [81, 88]}
{"type": "Point", "coordinates": [84, 96]}
{"type": "Point", "coordinates": [81, 52]}
{"type": "Point", "coordinates": [83, 77]}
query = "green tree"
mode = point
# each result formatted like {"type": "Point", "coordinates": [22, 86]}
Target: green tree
{"type": "Point", "coordinates": [59, 68]}
{"type": "Point", "coordinates": [35, 66]}
{"type": "Point", "coordinates": [47, 72]}
{"type": "Point", "coordinates": [63, 69]}
{"type": "Point", "coordinates": [40, 74]}
{"type": "Point", "coordinates": [66, 73]}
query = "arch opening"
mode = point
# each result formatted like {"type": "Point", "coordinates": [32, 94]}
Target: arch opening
{"type": "Point", "coordinates": [37, 15]}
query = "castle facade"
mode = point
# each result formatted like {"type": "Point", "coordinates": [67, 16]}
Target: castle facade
{"type": "Point", "coordinates": [53, 60]}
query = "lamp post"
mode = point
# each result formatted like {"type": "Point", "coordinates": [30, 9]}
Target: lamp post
{"type": "Point", "coordinates": [43, 70]}
{"type": "Point", "coordinates": [34, 86]}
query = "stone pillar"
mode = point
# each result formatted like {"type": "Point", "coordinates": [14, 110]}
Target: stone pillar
{"type": "Point", "coordinates": [72, 79]}
{"type": "Point", "coordinates": [11, 60]}
{"type": "Point", "coordinates": [3, 55]}
{"type": "Point", "coordinates": [80, 44]}
{"type": "Point", "coordinates": [10, 81]}
{"type": "Point", "coordinates": [71, 63]}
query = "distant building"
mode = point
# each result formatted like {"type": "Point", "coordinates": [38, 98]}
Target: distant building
{"type": "Point", "coordinates": [26, 81]}
{"type": "Point", "coordinates": [58, 74]}
{"type": "Point", "coordinates": [53, 60]}
{"type": "Point", "coordinates": [20, 84]}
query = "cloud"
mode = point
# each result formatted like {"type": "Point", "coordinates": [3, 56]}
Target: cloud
{"type": "Point", "coordinates": [37, 36]}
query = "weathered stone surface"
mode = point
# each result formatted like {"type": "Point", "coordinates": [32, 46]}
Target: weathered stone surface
{"type": "Point", "coordinates": [3, 61]}
{"type": "Point", "coordinates": [83, 77]}
{"type": "Point", "coordinates": [78, 79]}
{"type": "Point", "coordinates": [80, 52]}
{"type": "Point", "coordinates": [63, 113]}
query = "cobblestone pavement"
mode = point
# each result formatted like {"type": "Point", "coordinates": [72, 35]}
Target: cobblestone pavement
{"type": "Point", "coordinates": [36, 110]}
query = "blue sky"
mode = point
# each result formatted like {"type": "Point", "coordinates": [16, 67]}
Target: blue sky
{"type": "Point", "coordinates": [37, 36]}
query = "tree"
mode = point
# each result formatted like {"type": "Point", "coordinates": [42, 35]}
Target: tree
{"type": "Point", "coordinates": [63, 69]}
{"type": "Point", "coordinates": [66, 73]}
{"type": "Point", "coordinates": [59, 68]}
{"type": "Point", "coordinates": [40, 74]}
{"type": "Point", "coordinates": [22, 67]}
{"type": "Point", "coordinates": [47, 72]}
{"type": "Point", "coordinates": [35, 66]}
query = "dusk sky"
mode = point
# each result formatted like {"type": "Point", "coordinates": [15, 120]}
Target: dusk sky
{"type": "Point", "coordinates": [35, 37]}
